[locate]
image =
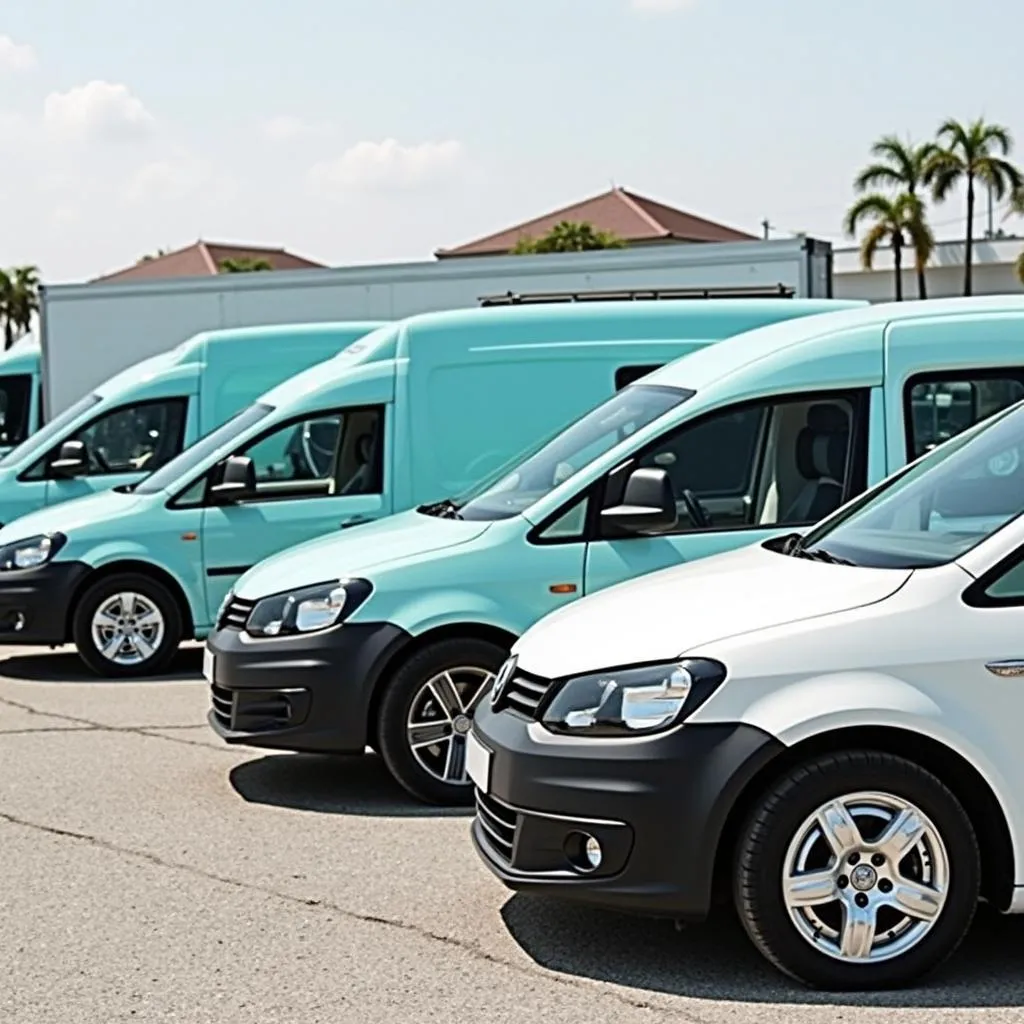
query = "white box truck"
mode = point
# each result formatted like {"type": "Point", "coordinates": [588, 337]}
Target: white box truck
{"type": "Point", "coordinates": [89, 332]}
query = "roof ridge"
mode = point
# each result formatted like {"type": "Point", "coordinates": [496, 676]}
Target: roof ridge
{"type": "Point", "coordinates": [207, 257]}
{"type": "Point", "coordinates": [637, 206]}
{"type": "Point", "coordinates": [640, 200]}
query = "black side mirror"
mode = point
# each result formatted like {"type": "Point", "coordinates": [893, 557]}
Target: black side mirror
{"type": "Point", "coordinates": [72, 459]}
{"type": "Point", "coordinates": [648, 504]}
{"type": "Point", "coordinates": [237, 481]}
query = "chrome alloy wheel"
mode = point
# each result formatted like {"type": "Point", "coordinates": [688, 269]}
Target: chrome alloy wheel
{"type": "Point", "coordinates": [865, 877]}
{"type": "Point", "coordinates": [440, 718]}
{"type": "Point", "coordinates": [127, 628]}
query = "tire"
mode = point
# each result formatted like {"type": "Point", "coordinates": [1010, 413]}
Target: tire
{"type": "Point", "coordinates": [804, 942]}
{"type": "Point", "coordinates": [468, 661]}
{"type": "Point", "coordinates": [150, 594]}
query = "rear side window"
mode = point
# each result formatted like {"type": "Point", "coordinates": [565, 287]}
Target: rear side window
{"type": "Point", "coordinates": [938, 406]}
{"type": "Point", "coordinates": [626, 375]}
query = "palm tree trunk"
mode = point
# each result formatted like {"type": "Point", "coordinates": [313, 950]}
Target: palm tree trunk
{"type": "Point", "coordinates": [969, 254]}
{"type": "Point", "coordinates": [8, 332]}
{"type": "Point", "coordinates": [922, 287]}
{"type": "Point", "coordinates": [897, 260]}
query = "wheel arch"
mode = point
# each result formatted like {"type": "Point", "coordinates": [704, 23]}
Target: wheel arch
{"type": "Point", "coordinates": [143, 568]}
{"type": "Point", "coordinates": [975, 794]}
{"type": "Point", "coordinates": [449, 631]}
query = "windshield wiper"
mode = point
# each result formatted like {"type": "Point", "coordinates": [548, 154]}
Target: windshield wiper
{"type": "Point", "coordinates": [821, 555]}
{"type": "Point", "coordinates": [446, 509]}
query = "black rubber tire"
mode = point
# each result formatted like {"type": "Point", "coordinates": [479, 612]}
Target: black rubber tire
{"type": "Point", "coordinates": [150, 588]}
{"type": "Point", "coordinates": [761, 852]}
{"type": "Point", "coordinates": [402, 688]}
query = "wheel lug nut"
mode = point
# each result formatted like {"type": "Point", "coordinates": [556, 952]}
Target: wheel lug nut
{"type": "Point", "coordinates": [885, 885]}
{"type": "Point", "coordinates": [854, 858]}
{"type": "Point", "coordinates": [861, 899]}
{"type": "Point", "coordinates": [878, 860]}
{"type": "Point", "coordinates": [842, 881]}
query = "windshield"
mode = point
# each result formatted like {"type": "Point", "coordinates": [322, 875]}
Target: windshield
{"type": "Point", "coordinates": [43, 438]}
{"type": "Point", "coordinates": [192, 458]}
{"type": "Point", "coordinates": [556, 460]}
{"type": "Point", "coordinates": [939, 507]}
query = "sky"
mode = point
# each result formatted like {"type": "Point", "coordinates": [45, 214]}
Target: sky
{"type": "Point", "coordinates": [356, 131]}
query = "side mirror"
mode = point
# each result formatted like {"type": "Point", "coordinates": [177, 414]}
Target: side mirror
{"type": "Point", "coordinates": [238, 480]}
{"type": "Point", "coordinates": [648, 504]}
{"type": "Point", "coordinates": [72, 459]}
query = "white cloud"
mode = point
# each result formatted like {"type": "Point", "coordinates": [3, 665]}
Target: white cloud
{"type": "Point", "coordinates": [390, 165]}
{"type": "Point", "coordinates": [662, 6]}
{"type": "Point", "coordinates": [285, 128]}
{"type": "Point", "coordinates": [175, 177]}
{"type": "Point", "coordinates": [97, 111]}
{"type": "Point", "coordinates": [16, 56]}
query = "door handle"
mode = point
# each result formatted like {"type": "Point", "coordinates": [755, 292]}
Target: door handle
{"type": "Point", "coordinates": [1006, 669]}
{"type": "Point", "coordinates": [355, 521]}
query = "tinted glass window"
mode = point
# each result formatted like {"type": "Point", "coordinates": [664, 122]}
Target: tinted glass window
{"type": "Point", "coordinates": [134, 438]}
{"type": "Point", "coordinates": [938, 409]}
{"type": "Point", "coordinates": [43, 438]}
{"type": "Point", "coordinates": [15, 399]}
{"type": "Point", "coordinates": [626, 375]}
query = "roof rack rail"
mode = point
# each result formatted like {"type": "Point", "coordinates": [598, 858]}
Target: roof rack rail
{"type": "Point", "coordinates": [510, 298]}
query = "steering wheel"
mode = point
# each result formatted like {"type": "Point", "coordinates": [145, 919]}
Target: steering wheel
{"type": "Point", "coordinates": [695, 509]}
{"type": "Point", "coordinates": [321, 458]}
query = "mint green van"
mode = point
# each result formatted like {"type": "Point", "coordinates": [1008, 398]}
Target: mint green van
{"type": "Point", "coordinates": [20, 392]}
{"type": "Point", "coordinates": [406, 416]}
{"type": "Point", "coordinates": [391, 635]}
{"type": "Point", "coordinates": [142, 417]}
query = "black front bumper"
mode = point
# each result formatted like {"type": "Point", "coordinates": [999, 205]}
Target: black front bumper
{"type": "Point", "coordinates": [303, 693]}
{"type": "Point", "coordinates": [34, 603]}
{"type": "Point", "coordinates": [656, 806]}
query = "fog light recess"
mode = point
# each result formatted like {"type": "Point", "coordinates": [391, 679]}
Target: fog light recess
{"type": "Point", "coordinates": [583, 851]}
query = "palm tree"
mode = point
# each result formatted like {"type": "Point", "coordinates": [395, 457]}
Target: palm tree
{"type": "Point", "coordinates": [19, 301]}
{"type": "Point", "coordinates": [903, 167]}
{"type": "Point", "coordinates": [570, 236]}
{"type": "Point", "coordinates": [972, 153]}
{"type": "Point", "coordinates": [244, 265]}
{"type": "Point", "coordinates": [1020, 267]}
{"type": "Point", "coordinates": [898, 220]}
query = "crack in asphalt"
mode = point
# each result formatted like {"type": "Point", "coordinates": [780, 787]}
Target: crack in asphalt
{"type": "Point", "coordinates": [394, 923]}
{"type": "Point", "coordinates": [138, 730]}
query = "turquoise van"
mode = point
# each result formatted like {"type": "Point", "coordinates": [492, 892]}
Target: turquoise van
{"type": "Point", "coordinates": [142, 417]}
{"type": "Point", "coordinates": [391, 635]}
{"type": "Point", "coordinates": [21, 399]}
{"type": "Point", "coordinates": [408, 414]}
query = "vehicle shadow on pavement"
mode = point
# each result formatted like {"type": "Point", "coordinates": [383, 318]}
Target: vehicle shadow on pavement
{"type": "Point", "coordinates": [358, 785]}
{"type": "Point", "coordinates": [67, 667]}
{"type": "Point", "coordinates": [717, 961]}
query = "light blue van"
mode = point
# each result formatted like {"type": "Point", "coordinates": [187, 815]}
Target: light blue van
{"type": "Point", "coordinates": [409, 414]}
{"type": "Point", "coordinates": [144, 416]}
{"type": "Point", "coordinates": [390, 635]}
{"type": "Point", "coordinates": [21, 399]}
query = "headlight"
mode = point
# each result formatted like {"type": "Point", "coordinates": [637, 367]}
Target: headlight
{"type": "Point", "coordinates": [31, 552]}
{"type": "Point", "coordinates": [632, 701]}
{"type": "Point", "coordinates": [307, 610]}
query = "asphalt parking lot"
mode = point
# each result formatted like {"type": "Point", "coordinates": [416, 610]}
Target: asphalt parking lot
{"type": "Point", "coordinates": [151, 874]}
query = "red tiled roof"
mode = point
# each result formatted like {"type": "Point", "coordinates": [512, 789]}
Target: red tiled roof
{"type": "Point", "coordinates": [634, 218]}
{"type": "Point", "coordinates": [203, 260]}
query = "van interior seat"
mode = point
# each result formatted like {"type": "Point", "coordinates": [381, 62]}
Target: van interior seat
{"type": "Point", "coordinates": [364, 452]}
{"type": "Point", "coordinates": [822, 448]}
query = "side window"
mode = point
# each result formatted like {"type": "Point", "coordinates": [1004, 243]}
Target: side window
{"type": "Point", "coordinates": [570, 524]}
{"type": "Point", "coordinates": [626, 375]}
{"type": "Point", "coordinates": [333, 454]}
{"type": "Point", "coordinates": [783, 463]}
{"type": "Point", "coordinates": [134, 438]}
{"type": "Point", "coordinates": [939, 407]}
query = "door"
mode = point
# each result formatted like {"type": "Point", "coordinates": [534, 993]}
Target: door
{"type": "Point", "coordinates": [739, 475]}
{"type": "Point", "coordinates": [122, 446]}
{"type": "Point", "coordinates": [312, 476]}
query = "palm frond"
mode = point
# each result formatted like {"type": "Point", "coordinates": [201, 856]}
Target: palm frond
{"type": "Point", "coordinates": [1003, 177]}
{"type": "Point", "coordinates": [876, 176]}
{"type": "Point", "coordinates": [873, 206]}
{"type": "Point", "coordinates": [1020, 267]}
{"type": "Point", "coordinates": [995, 135]}
{"type": "Point", "coordinates": [872, 242]}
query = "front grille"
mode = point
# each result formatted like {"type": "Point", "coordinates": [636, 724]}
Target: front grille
{"type": "Point", "coordinates": [235, 614]}
{"type": "Point", "coordinates": [222, 701]}
{"type": "Point", "coordinates": [498, 823]}
{"type": "Point", "coordinates": [524, 693]}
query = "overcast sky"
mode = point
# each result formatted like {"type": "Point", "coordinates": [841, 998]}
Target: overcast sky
{"type": "Point", "coordinates": [366, 130]}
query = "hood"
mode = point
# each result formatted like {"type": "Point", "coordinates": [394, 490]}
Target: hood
{"type": "Point", "coordinates": [355, 552]}
{"type": "Point", "coordinates": [69, 516]}
{"type": "Point", "coordinates": [676, 611]}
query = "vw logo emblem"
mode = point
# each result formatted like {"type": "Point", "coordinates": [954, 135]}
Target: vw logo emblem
{"type": "Point", "coordinates": [502, 678]}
